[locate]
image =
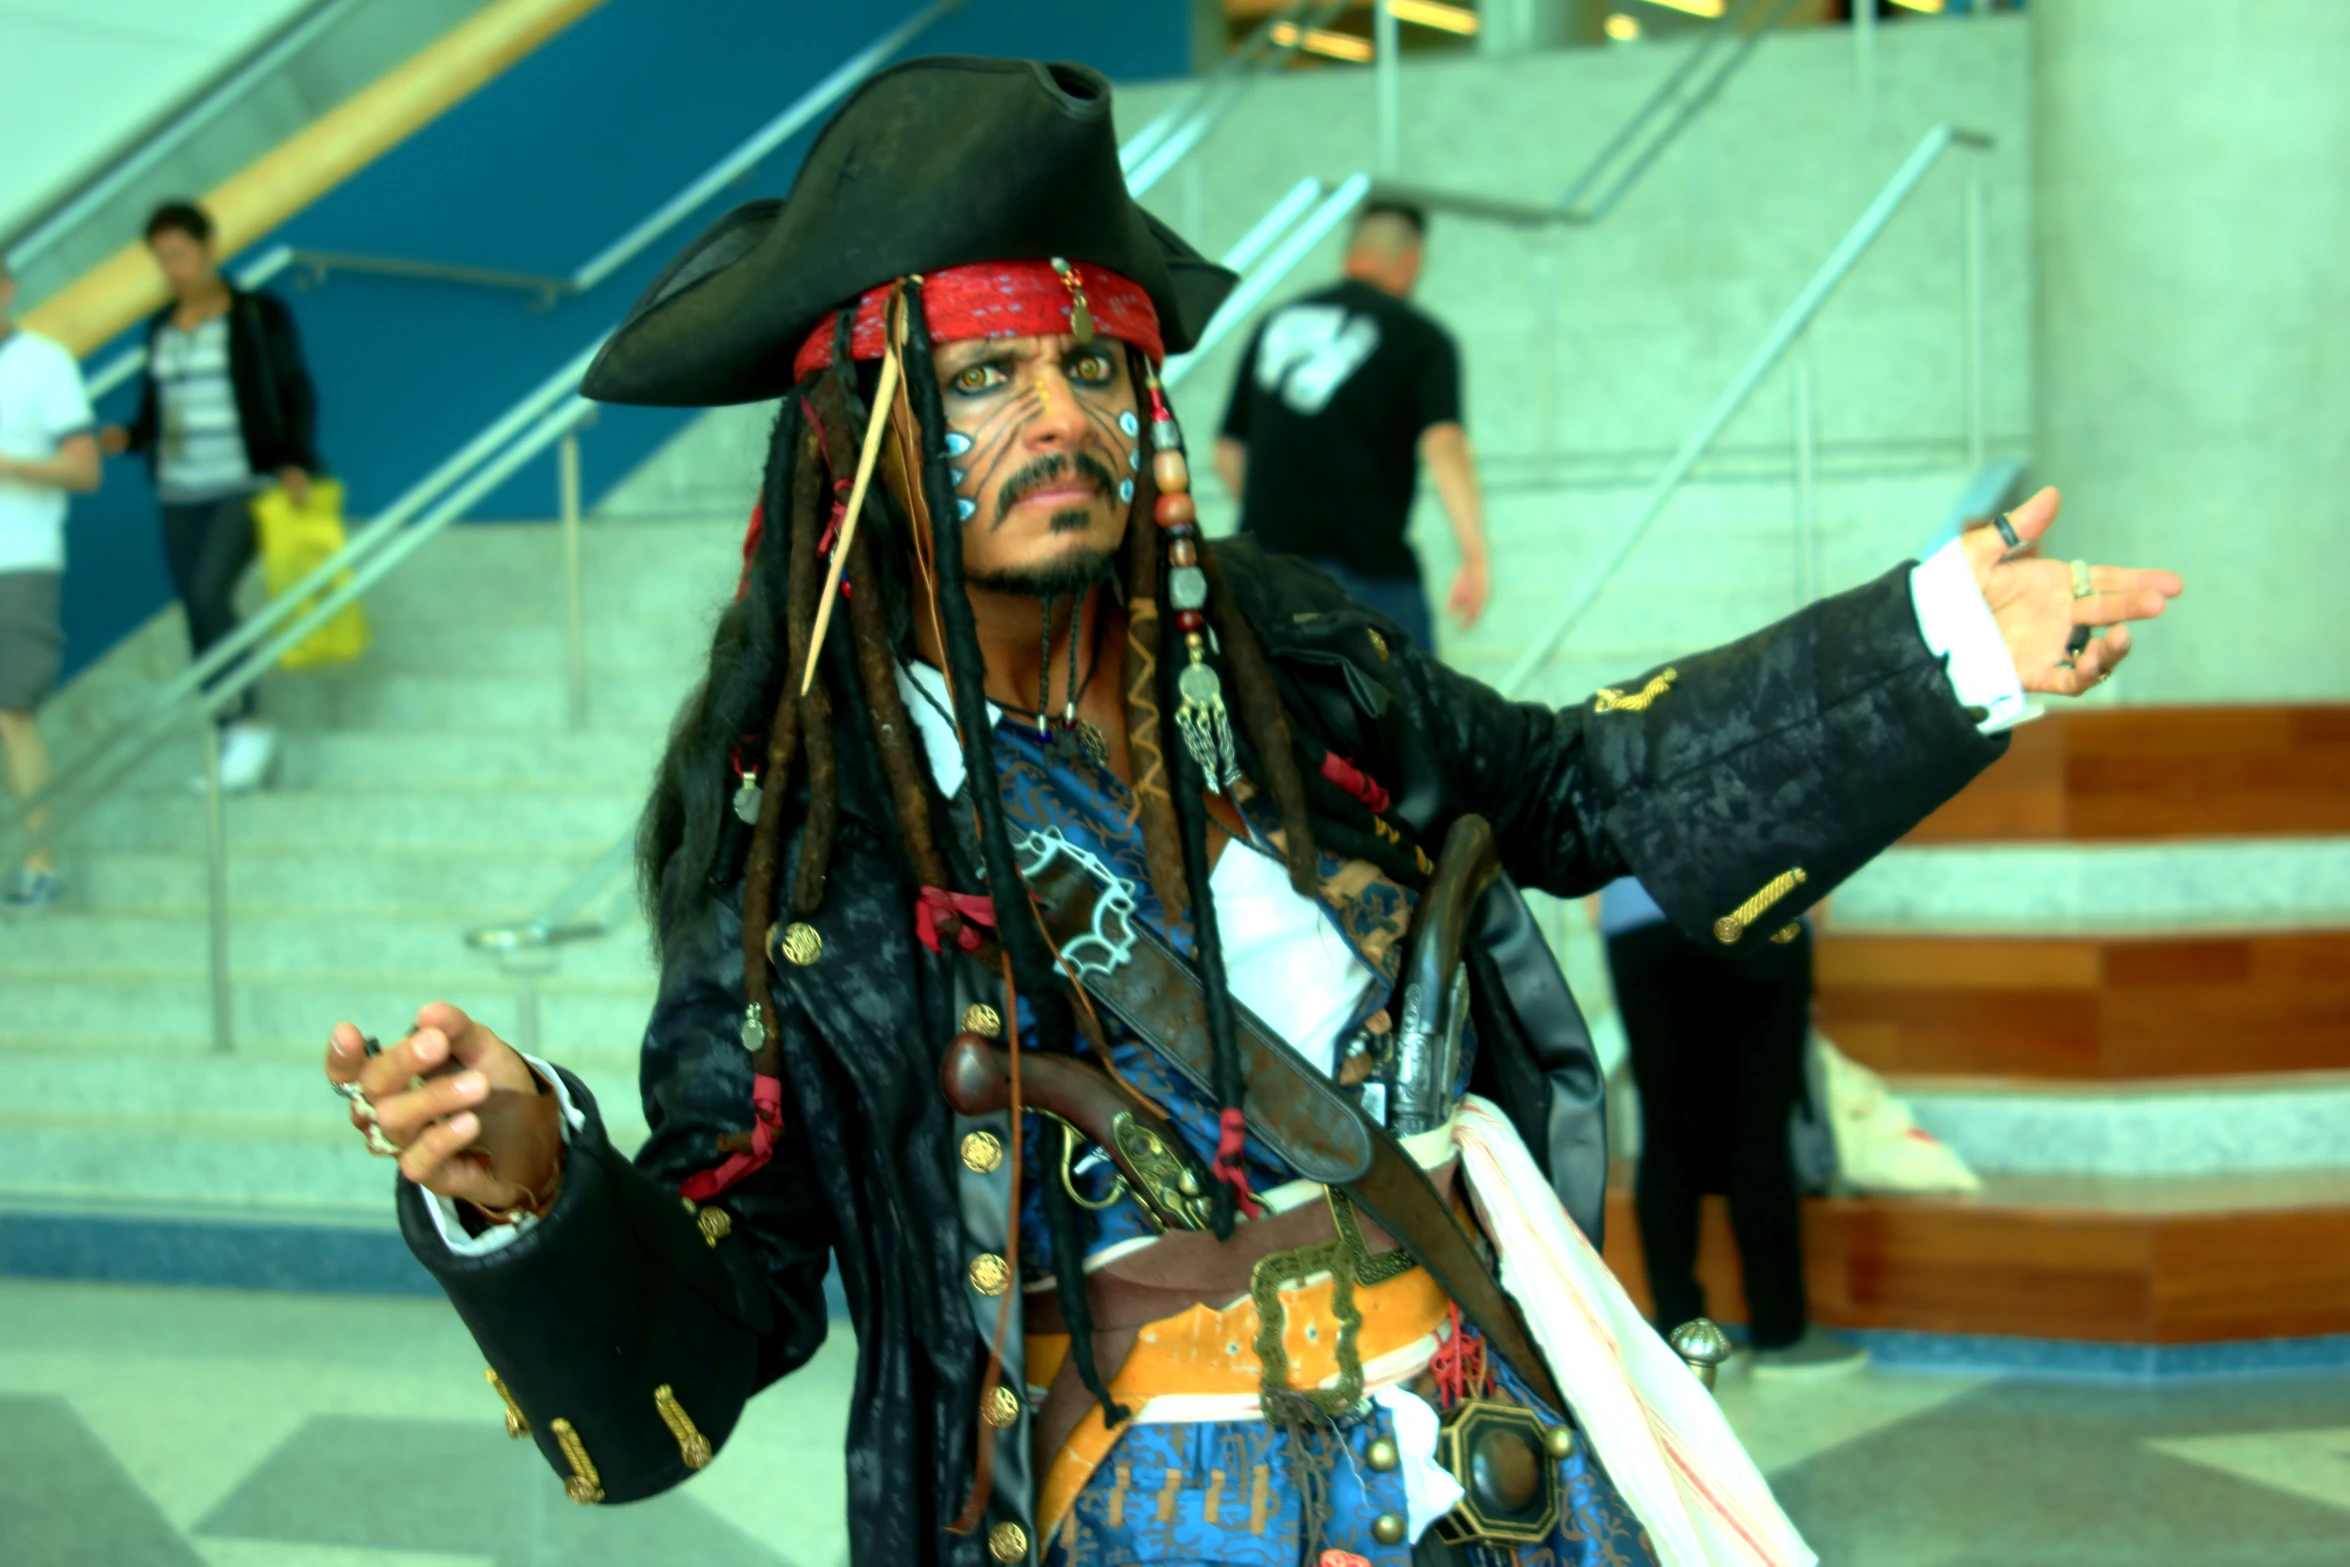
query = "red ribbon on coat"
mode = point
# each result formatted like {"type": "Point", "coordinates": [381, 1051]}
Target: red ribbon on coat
{"type": "Point", "coordinates": [767, 1125]}
{"type": "Point", "coordinates": [1356, 782]}
{"type": "Point", "coordinates": [936, 903]}
{"type": "Point", "coordinates": [1233, 1141]}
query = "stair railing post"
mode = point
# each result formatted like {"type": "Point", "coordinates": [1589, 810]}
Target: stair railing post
{"type": "Point", "coordinates": [1807, 504]}
{"type": "Point", "coordinates": [1864, 61]}
{"type": "Point", "coordinates": [1546, 351]}
{"type": "Point", "coordinates": [574, 627]}
{"type": "Point", "coordinates": [216, 880]}
{"type": "Point", "coordinates": [1387, 110]}
{"type": "Point", "coordinates": [1977, 394]}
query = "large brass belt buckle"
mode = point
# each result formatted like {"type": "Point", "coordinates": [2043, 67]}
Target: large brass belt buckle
{"type": "Point", "coordinates": [1508, 1467]}
{"type": "Point", "coordinates": [1296, 1266]}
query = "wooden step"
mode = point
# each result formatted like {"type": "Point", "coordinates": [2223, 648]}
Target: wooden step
{"type": "Point", "coordinates": [2088, 1007]}
{"type": "Point", "coordinates": [2160, 772]}
{"type": "Point", "coordinates": [2200, 1261]}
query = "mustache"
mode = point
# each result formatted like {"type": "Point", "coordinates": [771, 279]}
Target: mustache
{"type": "Point", "coordinates": [1045, 471]}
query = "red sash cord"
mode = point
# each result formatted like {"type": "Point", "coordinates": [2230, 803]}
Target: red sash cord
{"type": "Point", "coordinates": [767, 1106]}
{"type": "Point", "coordinates": [1356, 782]}
{"type": "Point", "coordinates": [936, 903]}
{"type": "Point", "coordinates": [1233, 1125]}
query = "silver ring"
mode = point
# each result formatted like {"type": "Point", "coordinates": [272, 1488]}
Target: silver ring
{"type": "Point", "coordinates": [351, 1091]}
{"type": "Point", "coordinates": [379, 1144]}
{"type": "Point", "coordinates": [2082, 588]}
{"type": "Point", "coordinates": [2007, 533]}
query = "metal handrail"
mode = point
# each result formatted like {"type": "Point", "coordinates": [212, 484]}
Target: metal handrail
{"type": "Point", "coordinates": [1775, 343]}
{"type": "Point", "coordinates": [193, 115]}
{"type": "Point", "coordinates": [528, 950]}
{"type": "Point", "coordinates": [319, 265]}
{"type": "Point", "coordinates": [558, 923]}
{"type": "Point", "coordinates": [1176, 131]}
{"type": "Point", "coordinates": [733, 166]}
{"type": "Point", "coordinates": [1331, 211]}
{"type": "Point", "coordinates": [1568, 211]}
{"type": "Point", "coordinates": [527, 429]}
{"type": "Point", "coordinates": [379, 535]}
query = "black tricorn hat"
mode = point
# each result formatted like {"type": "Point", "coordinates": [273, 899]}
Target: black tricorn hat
{"type": "Point", "coordinates": [934, 163]}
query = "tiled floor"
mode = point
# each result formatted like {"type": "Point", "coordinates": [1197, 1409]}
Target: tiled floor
{"type": "Point", "coordinates": [149, 1427]}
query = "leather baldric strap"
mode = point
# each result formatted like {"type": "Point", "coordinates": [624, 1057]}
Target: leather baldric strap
{"type": "Point", "coordinates": [1296, 1109]}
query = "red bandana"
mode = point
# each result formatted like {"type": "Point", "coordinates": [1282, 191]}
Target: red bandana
{"type": "Point", "coordinates": [1001, 299]}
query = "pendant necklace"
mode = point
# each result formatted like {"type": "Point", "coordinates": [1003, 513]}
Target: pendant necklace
{"type": "Point", "coordinates": [1069, 736]}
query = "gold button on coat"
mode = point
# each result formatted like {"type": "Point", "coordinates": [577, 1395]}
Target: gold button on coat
{"type": "Point", "coordinates": [799, 943]}
{"type": "Point", "coordinates": [1387, 1528]}
{"type": "Point", "coordinates": [1007, 1542]}
{"type": "Point", "coordinates": [982, 1152]}
{"type": "Point", "coordinates": [1382, 1455]}
{"type": "Point", "coordinates": [1003, 1407]}
{"type": "Point", "coordinates": [988, 1274]}
{"type": "Point", "coordinates": [985, 1021]}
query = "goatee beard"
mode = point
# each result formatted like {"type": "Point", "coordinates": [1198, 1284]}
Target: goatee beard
{"type": "Point", "coordinates": [1071, 574]}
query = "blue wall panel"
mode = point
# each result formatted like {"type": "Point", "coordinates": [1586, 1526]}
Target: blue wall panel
{"type": "Point", "coordinates": [536, 173]}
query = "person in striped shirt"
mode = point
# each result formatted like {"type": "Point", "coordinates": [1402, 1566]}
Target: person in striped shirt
{"type": "Point", "coordinates": [227, 409]}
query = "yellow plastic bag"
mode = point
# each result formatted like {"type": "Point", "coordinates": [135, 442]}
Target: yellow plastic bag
{"type": "Point", "coordinates": [294, 540]}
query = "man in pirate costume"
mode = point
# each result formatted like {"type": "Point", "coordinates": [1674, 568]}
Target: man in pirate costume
{"type": "Point", "coordinates": [1107, 951]}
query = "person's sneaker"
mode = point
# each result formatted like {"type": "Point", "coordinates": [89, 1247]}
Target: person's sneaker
{"type": "Point", "coordinates": [246, 752]}
{"type": "Point", "coordinates": [30, 891]}
{"type": "Point", "coordinates": [1816, 1354]}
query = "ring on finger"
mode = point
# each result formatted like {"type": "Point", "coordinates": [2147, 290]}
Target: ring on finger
{"type": "Point", "coordinates": [2078, 642]}
{"type": "Point", "coordinates": [380, 1145]}
{"type": "Point", "coordinates": [2007, 535]}
{"type": "Point", "coordinates": [2082, 587]}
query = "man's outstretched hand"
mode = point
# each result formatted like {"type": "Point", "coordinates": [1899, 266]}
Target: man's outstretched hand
{"type": "Point", "coordinates": [2032, 599]}
{"type": "Point", "coordinates": [448, 1096]}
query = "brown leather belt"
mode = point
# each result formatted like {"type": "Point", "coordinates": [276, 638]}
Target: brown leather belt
{"type": "Point", "coordinates": [1181, 1270]}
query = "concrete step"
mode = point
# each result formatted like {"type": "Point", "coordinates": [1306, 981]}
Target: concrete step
{"type": "Point", "coordinates": [409, 880]}
{"type": "Point", "coordinates": [266, 946]}
{"type": "Point", "coordinates": [2241, 1126]}
{"type": "Point", "coordinates": [614, 645]}
{"type": "Point", "coordinates": [361, 821]}
{"type": "Point", "coordinates": [361, 698]}
{"type": "Point", "coordinates": [617, 758]}
{"type": "Point", "coordinates": [580, 1011]}
{"type": "Point", "coordinates": [2214, 886]}
{"type": "Point", "coordinates": [230, 1133]}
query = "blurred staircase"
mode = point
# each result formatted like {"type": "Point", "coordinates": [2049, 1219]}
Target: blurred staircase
{"type": "Point", "coordinates": [2114, 976]}
{"type": "Point", "coordinates": [433, 786]}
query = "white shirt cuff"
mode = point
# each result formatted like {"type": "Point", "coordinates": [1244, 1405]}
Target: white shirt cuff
{"type": "Point", "coordinates": [1958, 626]}
{"type": "Point", "coordinates": [444, 1209]}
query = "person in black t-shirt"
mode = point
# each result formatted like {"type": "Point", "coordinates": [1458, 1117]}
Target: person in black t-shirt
{"type": "Point", "coordinates": [1340, 397]}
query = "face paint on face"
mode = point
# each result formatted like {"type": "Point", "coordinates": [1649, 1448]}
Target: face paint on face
{"type": "Point", "coordinates": [1039, 481]}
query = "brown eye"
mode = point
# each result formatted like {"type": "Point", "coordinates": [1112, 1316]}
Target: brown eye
{"type": "Point", "coordinates": [976, 378]}
{"type": "Point", "coordinates": [1094, 368]}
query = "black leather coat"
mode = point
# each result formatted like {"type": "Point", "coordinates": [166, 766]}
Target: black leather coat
{"type": "Point", "coordinates": [1740, 784]}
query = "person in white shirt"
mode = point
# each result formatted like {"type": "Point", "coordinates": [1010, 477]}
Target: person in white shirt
{"type": "Point", "coordinates": [47, 448]}
{"type": "Point", "coordinates": [227, 410]}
